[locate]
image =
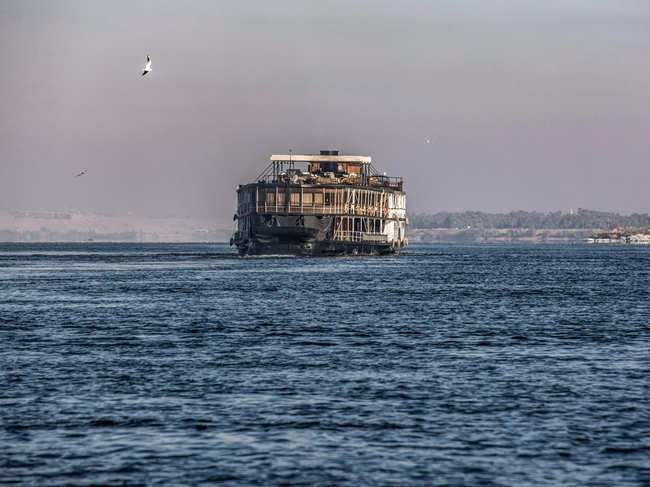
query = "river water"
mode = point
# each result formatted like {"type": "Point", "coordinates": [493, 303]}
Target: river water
{"type": "Point", "coordinates": [183, 364]}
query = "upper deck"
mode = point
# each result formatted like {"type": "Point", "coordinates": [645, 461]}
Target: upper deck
{"type": "Point", "coordinates": [326, 168]}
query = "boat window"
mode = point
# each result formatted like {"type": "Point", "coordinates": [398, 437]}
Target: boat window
{"type": "Point", "coordinates": [328, 166]}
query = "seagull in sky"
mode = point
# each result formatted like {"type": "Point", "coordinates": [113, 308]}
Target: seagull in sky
{"type": "Point", "coordinates": [147, 67]}
{"type": "Point", "coordinates": [81, 173]}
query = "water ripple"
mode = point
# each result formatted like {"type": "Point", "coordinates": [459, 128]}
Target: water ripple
{"type": "Point", "coordinates": [448, 365]}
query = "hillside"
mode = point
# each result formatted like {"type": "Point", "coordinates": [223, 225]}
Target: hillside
{"type": "Point", "coordinates": [76, 226]}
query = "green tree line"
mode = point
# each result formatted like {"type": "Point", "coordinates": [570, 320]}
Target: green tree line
{"type": "Point", "coordinates": [587, 219]}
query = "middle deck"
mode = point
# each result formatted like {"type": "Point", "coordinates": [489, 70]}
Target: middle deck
{"type": "Point", "coordinates": [302, 199]}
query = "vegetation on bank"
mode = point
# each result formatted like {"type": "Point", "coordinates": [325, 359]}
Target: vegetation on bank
{"type": "Point", "coordinates": [581, 219]}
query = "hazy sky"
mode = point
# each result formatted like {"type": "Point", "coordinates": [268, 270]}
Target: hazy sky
{"type": "Point", "coordinates": [528, 106]}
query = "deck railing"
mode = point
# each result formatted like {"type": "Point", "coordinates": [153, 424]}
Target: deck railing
{"type": "Point", "coordinates": [360, 236]}
{"type": "Point", "coordinates": [370, 182]}
{"type": "Point", "coordinates": [371, 211]}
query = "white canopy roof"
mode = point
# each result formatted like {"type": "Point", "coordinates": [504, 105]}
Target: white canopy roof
{"type": "Point", "coordinates": [319, 158]}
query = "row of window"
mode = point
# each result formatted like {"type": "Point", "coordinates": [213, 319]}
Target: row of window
{"type": "Point", "coordinates": [328, 197]}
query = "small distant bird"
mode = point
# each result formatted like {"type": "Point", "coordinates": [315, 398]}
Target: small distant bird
{"type": "Point", "coordinates": [147, 67]}
{"type": "Point", "coordinates": [81, 173]}
{"type": "Point", "coordinates": [428, 141]}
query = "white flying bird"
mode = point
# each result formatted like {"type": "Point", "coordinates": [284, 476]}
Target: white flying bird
{"type": "Point", "coordinates": [81, 173]}
{"type": "Point", "coordinates": [147, 67]}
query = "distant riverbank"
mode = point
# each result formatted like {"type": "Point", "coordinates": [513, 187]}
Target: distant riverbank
{"type": "Point", "coordinates": [78, 226]}
{"type": "Point", "coordinates": [522, 226]}
{"type": "Point", "coordinates": [460, 227]}
{"type": "Point", "coordinates": [496, 235]}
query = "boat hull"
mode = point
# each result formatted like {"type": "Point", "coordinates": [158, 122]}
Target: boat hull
{"type": "Point", "coordinates": [303, 235]}
{"type": "Point", "coordinates": [315, 248]}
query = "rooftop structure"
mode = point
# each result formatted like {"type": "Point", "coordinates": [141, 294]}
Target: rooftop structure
{"type": "Point", "coordinates": [328, 167]}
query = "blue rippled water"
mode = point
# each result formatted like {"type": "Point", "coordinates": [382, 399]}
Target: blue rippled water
{"type": "Point", "coordinates": [129, 364]}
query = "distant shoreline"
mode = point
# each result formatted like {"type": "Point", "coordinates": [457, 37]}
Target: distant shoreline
{"type": "Point", "coordinates": [78, 226]}
{"type": "Point", "coordinates": [495, 235]}
{"type": "Point", "coordinates": [413, 240]}
{"type": "Point", "coordinates": [30, 226]}
{"type": "Point", "coordinates": [577, 226]}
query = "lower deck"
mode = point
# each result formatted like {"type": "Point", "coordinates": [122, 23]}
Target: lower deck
{"type": "Point", "coordinates": [330, 220]}
{"type": "Point", "coordinates": [317, 235]}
